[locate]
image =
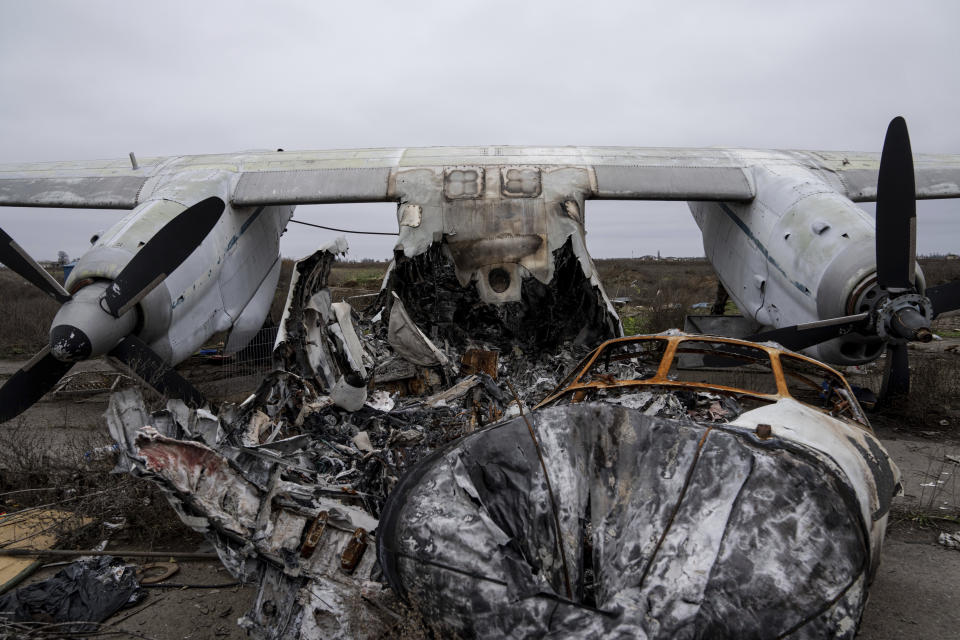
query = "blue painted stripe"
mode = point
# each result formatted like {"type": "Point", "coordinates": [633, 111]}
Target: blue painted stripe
{"type": "Point", "coordinates": [233, 241]}
{"type": "Point", "coordinates": [243, 228]}
{"type": "Point", "coordinates": [759, 245]}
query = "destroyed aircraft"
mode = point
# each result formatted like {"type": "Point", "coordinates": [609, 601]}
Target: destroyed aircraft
{"type": "Point", "coordinates": [199, 252]}
{"type": "Point", "coordinates": [386, 460]}
{"type": "Point", "coordinates": [490, 300]}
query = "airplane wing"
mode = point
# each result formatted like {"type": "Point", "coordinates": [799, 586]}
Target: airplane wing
{"type": "Point", "coordinates": [369, 175]}
{"type": "Point", "coordinates": [937, 175]}
{"type": "Point", "coordinates": [104, 184]}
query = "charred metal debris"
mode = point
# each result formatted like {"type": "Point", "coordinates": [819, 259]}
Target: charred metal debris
{"type": "Point", "coordinates": [289, 485]}
{"type": "Point", "coordinates": [386, 456]}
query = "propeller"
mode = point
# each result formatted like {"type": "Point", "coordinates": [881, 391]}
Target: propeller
{"type": "Point", "coordinates": [29, 384]}
{"type": "Point", "coordinates": [900, 314]}
{"type": "Point", "coordinates": [144, 362]}
{"type": "Point", "coordinates": [12, 255]}
{"type": "Point", "coordinates": [97, 319]}
{"type": "Point", "coordinates": [801, 336]}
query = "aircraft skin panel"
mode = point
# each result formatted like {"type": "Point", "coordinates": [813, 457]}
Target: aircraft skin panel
{"type": "Point", "coordinates": [357, 175]}
{"type": "Point", "coordinates": [251, 253]}
{"type": "Point", "coordinates": [251, 318]}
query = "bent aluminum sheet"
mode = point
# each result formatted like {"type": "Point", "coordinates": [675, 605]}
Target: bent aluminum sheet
{"type": "Point", "coordinates": [696, 531]}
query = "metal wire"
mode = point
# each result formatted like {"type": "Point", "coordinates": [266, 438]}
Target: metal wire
{"type": "Point", "coordinates": [367, 233]}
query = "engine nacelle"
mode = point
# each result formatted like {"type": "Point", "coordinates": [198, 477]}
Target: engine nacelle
{"type": "Point", "coordinates": [799, 252]}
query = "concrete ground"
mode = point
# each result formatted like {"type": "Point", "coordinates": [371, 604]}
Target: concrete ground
{"type": "Point", "coordinates": [916, 592]}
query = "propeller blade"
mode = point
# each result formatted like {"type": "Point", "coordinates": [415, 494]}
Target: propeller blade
{"type": "Point", "coordinates": [149, 367]}
{"type": "Point", "coordinates": [896, 373]}
{"type": "Point", "coordinates": [13, 255]}
{"type": "Point", "coordinates": [801, 336]}
{"type": "Point", "coordinates": [896, 210]}
{"type": "Point", "coordinates": [165, 251]}
{"type": "Point", "coordinates": [30, 383]}
{"type": "Point", "coordinates": [944, 297]}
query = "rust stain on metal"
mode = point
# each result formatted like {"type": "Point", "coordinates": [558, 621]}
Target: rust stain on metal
{"type": "Point", "coordinates": [314, 533]}
{"type": "Point", "coordinates": [477, 360]}
{"type": "Point", "coordinates": [354, 552]}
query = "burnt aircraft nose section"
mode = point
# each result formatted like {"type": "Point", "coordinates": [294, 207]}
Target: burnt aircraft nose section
{"type": "Point", "coordinates": [649, 527]}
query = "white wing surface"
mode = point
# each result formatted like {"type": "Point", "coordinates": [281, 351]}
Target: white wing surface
{"type": "Point", "coordinates": [371, 175]}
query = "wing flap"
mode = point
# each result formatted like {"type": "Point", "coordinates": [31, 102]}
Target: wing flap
{"type": "Point", "coordinates": [314, 186]}
{"type": "Point", "coordinates": [673, 183]}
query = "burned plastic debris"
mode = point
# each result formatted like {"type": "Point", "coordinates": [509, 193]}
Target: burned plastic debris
{"type": "Point", "coordinates": [84, 593]}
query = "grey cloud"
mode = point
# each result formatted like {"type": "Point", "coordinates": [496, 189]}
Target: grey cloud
{"type": "Point", "coordinates": [99, 79]}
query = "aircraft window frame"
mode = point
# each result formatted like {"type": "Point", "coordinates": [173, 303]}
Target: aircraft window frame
{"type": "Point", "coordinates": [833, 390]}
{"type": "Point", "coordinates": [734, 358]}
{"type": "Point", "coordinates": [610, 356]}
{"type": "Point", "coordinates": [842, 405]}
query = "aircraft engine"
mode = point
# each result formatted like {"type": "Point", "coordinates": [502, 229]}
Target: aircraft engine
{"type": "Point", "coordinates": [804, 251]}
{"type": "Point", "coordinates": [110, 288]}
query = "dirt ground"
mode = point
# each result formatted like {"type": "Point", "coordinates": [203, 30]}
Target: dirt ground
{"type": "Point", "coordinates": [916, 592]}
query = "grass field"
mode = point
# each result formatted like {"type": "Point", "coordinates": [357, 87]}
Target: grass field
{"type": "Point", "coordinates": [659, 294]}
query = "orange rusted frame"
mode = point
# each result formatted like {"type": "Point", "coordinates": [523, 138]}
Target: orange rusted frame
{"type": "Point", "coordinates": [661, 380]}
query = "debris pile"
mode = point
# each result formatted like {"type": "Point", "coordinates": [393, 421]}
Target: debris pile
{"type": "Point", "coordinates": [386, 456]}
{"type": "Point", "coordinates": [289, 484]}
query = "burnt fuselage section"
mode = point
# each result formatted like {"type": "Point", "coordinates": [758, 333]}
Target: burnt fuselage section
{"type": "Point", "coordinates": [671, 486]}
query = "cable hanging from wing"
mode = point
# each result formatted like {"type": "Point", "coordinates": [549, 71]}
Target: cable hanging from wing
{"type": "Point", "coordinates": [368, 233]}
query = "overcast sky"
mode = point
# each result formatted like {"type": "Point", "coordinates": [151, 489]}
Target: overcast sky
{"type": "Point", "coordinates": [97, 79]}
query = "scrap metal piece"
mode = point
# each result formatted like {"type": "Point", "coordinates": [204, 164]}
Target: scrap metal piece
{"type": "Point", "coordinates": [312, 539]}
{"type": "Point", "coordinates": [353, 553]}
{"type": "Point", "coordinates": [409, 341]}
{"type": "Point", "coordinates": [302, 346]}
{"type": "Point", "coordinates": [456, 391]}
{"type": "Point", "coordinates": [206, 476]}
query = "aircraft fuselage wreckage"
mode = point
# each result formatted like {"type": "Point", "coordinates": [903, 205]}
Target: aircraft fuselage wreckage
{"type": "Point", "coordinates": [749, 463]}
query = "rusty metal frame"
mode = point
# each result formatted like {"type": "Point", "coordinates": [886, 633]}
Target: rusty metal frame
{"type": "Point", "coordinates": [571, 384]}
